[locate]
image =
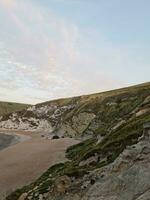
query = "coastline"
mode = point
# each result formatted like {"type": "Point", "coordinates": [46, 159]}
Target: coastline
{"type": "Point", "coordinates": [8, 139]}
{"type": "Point", "coordinates": [23, 163]}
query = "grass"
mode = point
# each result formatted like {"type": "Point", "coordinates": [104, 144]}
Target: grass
{"type": "Point", "coordinates": [74, 152]}
{"type": "Point", "coordinates": [117, 141]}
{"type": "Point", "coordinates": [8, 107]}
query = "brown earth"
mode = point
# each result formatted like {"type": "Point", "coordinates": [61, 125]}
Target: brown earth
{"type": "Point", "coordinates": [24, 162]}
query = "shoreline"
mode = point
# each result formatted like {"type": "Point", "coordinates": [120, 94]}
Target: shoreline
{"type": "Point", "coordinates": [8, 139]}
{"type": "Point", "coordinates": [23, 163]}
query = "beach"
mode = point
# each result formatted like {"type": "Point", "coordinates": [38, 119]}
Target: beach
{"type": "Point", "coordinates": [26, 160]}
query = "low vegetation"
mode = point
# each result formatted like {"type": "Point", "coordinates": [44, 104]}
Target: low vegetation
{"type": "Point", "coordinates": [8, 107]}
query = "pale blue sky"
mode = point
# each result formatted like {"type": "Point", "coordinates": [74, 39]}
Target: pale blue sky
{"type": "Point", "coordinates": [60, 48]}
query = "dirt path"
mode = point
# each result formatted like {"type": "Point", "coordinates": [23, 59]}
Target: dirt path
{"type": "Point", "coordinates": [26, 161]}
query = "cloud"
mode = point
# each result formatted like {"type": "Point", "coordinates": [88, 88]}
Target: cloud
{"type": "Point", "coordinates": [35, 53]}
{"type": "Point", "coordinates": [70, 1]}
{"type": "Point", "coordinates": [7, 3]}
{"type": "Point", "coordinates": [44, 56]}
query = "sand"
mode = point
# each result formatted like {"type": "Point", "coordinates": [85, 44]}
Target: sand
{"type": "Point", "coordinates": [24, 162]}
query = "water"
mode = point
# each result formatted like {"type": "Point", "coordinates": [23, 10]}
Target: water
{"type": "Point", "coordinates": [6, 140]}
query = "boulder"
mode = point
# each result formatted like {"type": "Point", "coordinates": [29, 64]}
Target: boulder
{"type": "Point", "coordinates": [55, 137]}
{"type": "Point", "coordinates": [62, 184]}
{"type": "Point", "coordinates": [23, 196]}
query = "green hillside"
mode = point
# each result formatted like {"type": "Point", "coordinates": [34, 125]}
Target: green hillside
{"type": "Point", "coordinates": [8, 107]}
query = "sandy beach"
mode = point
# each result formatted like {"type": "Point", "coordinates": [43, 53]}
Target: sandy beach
{"type": "Point", "coordinates": [24, 162]}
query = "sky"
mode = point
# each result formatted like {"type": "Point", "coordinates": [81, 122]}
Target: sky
{"type": "Point", "coordinates": [51, 49]}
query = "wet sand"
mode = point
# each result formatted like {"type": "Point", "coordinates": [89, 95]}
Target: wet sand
{"type": "Point", "coordinates": [24, 162]}
{"type": "Point", "coordinates": [8, 139]}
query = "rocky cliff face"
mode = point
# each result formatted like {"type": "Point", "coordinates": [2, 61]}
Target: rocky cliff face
{"type": "Point", "coordinates": [127, 178]}
{"type": "Point", "coordinates": [113, 160]}
{"type": "Point", "coordinates": [39, 117]}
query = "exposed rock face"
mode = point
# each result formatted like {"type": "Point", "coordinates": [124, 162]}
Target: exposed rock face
{"type": "Point", "coordinates": [147, 100]}
{"type": "Point", "coordinates": [44, 117]}
{"type": "Point", "coordinates": [27, 124]}
{"type": "Point", "coordinates": [81, 121]}
{"type": "Point", "coordinates": [48, 118]}
{"type": "Point", "coordinates": [78, 124]}
{"type": "Point", "coordinates": [119, 124]}
{"type": "Point", "coordinates": [23, 196]}
{"type": "Point", "coordinates": [144, 196]}
{"type": "Point", "coordinates": [128, 185]}
{"type": "Point", "coordinates": [91, 160]}
{"type": "Point", "coordinates": [127, 178]}
{"type": "Point", "coordinates": [142, 112]}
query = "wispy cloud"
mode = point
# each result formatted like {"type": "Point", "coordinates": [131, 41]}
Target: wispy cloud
{"type": "Point", "coordinates": [40, 54]}
{"type": "Point", "coordinates": [70, 1]}
{"type": "Point", "coordinates": [45, 56]}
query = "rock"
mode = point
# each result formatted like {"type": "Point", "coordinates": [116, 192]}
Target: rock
{"type": "Point", "coordinates": [111, 104]}
{"type": "Point", "coordinates": [36, 194]}
{"type": "Point", "coordinates": [79, 123]}
{"type": "Point", "coordinates": [40, 197]}
{"type": "Point", "coordinates": [99, 139]}
{"type": "Point", "coordinates": [145, 196]}
{"type": "Point", "coordinates": [92, 159]}
{"type": "Point", "coordinates": [125, 186]}
{"type": "Point", "coordinates": [85, 185]}
{"type": "Point", "coordinates": [62, 184]}
{"type": "Point", "coordinates": [29, 197]}
{"type": "Point", "coordinates": [147, 100]}
{"type": "Point", "coordinates": [55, 137]}
{"type": "Point", "coordinates": [35, 188]}
{"type": "Point", "coordinates": [119, 124]}
{"type": "Point", "coordinates": [66, 130]}
{"type": "Point", "coordinates": [23, 196]}
{"type": "Point", "coordinates": [38, 117]}
{"type": "Point", "coordinates": [127, 178]}
{"type": "Point", "coordinates": [45, 195]}
{"type": "Point", "coordinates": [92, 181]}
{"type": "Point", "coordinates": [142, 112]}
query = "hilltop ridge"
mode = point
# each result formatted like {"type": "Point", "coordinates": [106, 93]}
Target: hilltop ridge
{"type": "Point", "coordinates": [9, 107]}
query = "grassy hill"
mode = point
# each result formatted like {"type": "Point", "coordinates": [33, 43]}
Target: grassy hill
{"type": "Point", "coordinates": [111, 124]}
{"type": "Point", "coordinates": [9, 107]}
